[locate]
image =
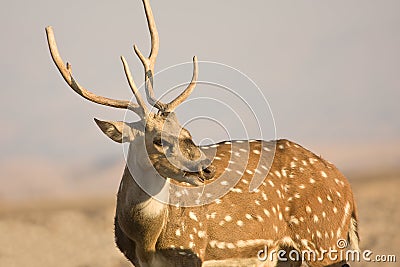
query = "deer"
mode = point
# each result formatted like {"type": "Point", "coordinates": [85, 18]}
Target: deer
{"type": "Point", "coordinates": [222, 204]}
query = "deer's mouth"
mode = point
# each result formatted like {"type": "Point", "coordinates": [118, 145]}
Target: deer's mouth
{"type": "Point", "coordinates": [199, 178]}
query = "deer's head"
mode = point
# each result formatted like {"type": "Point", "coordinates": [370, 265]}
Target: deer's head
{"type": "Point", "coordinates": [157, 136]}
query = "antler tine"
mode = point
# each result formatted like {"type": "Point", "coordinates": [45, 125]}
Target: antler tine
{"type": "Point", "coordinates": [185, 94]}
{"type": "Point", "coordinates": [133, 87]}
{"type": "Point", "coordinates": [66, 72]}
{"type": "Point", "coordinates": [171, 106]}
{"type": "Point", "coordinates": [155, 40]}
{"type": "Point", "coordinates": [149, 63]}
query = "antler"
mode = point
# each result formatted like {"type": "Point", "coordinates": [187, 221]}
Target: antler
{"type": "Point", "coordinates": [149, 62]}
{"type": "Point", "coordinates": [66, 72]}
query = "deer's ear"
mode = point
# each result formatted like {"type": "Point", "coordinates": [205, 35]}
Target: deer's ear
{"type": "Point", "coordinates": [118, 131]}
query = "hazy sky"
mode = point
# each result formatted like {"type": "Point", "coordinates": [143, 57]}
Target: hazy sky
{"type": "Point", "coordinates": [330, 71]}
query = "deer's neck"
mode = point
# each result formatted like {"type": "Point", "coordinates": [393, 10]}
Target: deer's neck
{"type": "Point", "coordinates": [142, 190]}
{"type": "Point", "coordinates": [142, 212]}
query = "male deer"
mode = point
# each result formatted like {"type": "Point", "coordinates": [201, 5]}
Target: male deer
{"type": "Point", "coordinates": [171, 207]}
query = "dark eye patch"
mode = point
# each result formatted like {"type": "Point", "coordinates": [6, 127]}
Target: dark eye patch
{"type": "Point", "coordinates": [162, 142]}
{"type": "Point", "coordinates": [157, 142]}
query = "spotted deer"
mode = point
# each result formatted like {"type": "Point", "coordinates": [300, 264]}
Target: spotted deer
{"type": "Point", "coordinates": [224, 204]}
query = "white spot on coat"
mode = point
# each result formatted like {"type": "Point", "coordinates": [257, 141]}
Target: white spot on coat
{"type": "Point", "coordinates": [294, 220]}
{"type": "Point", "coordinates": [308, 209]}
{"type": "Point", "coordinates": [201, 234]}
{"type": "Point", "coordinates": [271, 183]}
{"type": "Point", "coordinates": [193, 216]}
{"type": "Point", "coordinates": [236, 190]}
{"type": "Point", "coordinates": [240, 223]}
{"type": "Point", "coordinates": [264, 196]}
{"type": "Point", "coordinates": [319, 234]}
{"type": "Point", "coordinates": [230, 245]}
{"type": "Point", "coordinates": [267, 213]}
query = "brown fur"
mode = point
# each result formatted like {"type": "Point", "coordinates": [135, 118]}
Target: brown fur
{"type": "Point", "coordinates": [237, 205]}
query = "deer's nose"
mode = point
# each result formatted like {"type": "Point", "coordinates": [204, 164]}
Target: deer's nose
{"type": "Point", "coordinates": [208, 172]}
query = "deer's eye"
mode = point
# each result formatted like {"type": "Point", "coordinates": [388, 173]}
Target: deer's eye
{"type": "Point", "coordinates": [157, 142]}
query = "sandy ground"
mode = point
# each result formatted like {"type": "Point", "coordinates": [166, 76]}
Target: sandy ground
{"type": "Point", "coordinates": [80, 233]}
